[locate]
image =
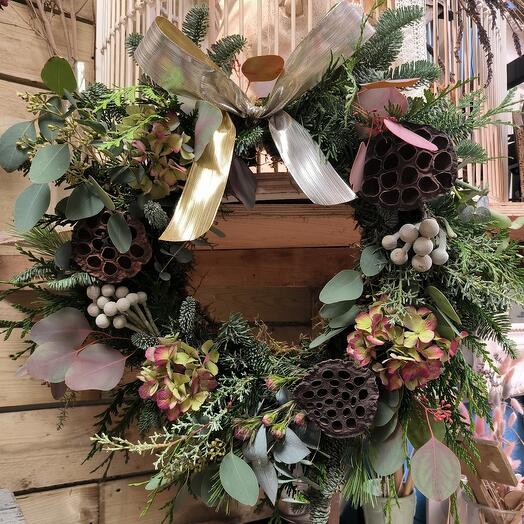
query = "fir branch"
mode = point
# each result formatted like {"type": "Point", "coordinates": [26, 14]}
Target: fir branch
{"type": "Point", "coordinates": [248, 139]}
{"type": "Point", "coordinates": [425, 70]}
{"type": "Point", "coordinates": [196, 23]}
{"type": "Point", "coordinates": [224, 51]}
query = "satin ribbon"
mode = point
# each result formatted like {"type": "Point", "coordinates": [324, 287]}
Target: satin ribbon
{"type": "Point", "coordinates": [174, 62]}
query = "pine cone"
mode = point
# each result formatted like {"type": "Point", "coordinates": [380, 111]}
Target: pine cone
{"type": "Point", "coordinates": [143, 340]}
{"type": "Point", "coordinates": [155, 215]}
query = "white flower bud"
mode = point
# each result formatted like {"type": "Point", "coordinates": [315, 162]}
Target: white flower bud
{"type": "Point", "coordinates": [389, 242]}
{"type": "Point", "coordinates": [398, 256]}
{"type": "Point", "coordinates": [123, 304]}
{"type": "Point", "coordinates": [93, 310]}
{"type": "Point", "coordinates": [102, 321]}
{"type": "Point", "coordinates": [423, 246]}
{"type": "Point", "coordinates": [93, 292]}
{"type": "Point", "coordinates": [429, 228]}
{"type": "Point", "coordinates": [108, 290]}
{"type": "Point", "coordinates": [111, 309]}
{"type": "Point", "coordinates": [440, 256]}
{"type": "Point", "coordinates": [421, 264]}
{"type": "Point", "coordinates": [142, 297]}
{"type": "Point", "coordinates": [119, 322]}
{"type": "Point", "coordinates": [121, 291]}
{"type": "Point", "coordinates": [133, 298]}
{"type": "Point", "coordinates": [102, 301]}
{"type": "Point", "coordinates": [408, 233]}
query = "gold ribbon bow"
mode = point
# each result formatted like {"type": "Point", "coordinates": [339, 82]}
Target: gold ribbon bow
{"type": "Point", "coordinates": [174, 62]}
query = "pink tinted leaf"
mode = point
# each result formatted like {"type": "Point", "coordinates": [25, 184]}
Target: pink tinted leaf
{"type": "Point", "coordinates": [377, 101]}
{"type": "Point", "coordinates": [408, 136]}
{"type": "Point", "coordinates": [397, 83]}
{"type": "Point", "coordinates": [436, 470]}
{"type": "Point", "coordinates": [50, 361]}
{"type": "Point", "coordinates": [356, 176]}
{"type": "Point", "coordinates": [208, 121]}
{"type": "Point", "coordinates": [67, 326]}
{"type": "Point", "coordinates": [96, 367]}
{"type": "Point", "coordinates": [58, 390]}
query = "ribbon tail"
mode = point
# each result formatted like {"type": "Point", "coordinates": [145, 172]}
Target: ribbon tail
{"type": "Point", "coordinates": [204, 189]}
{"type": "Point", "coordinates": [306, 163]}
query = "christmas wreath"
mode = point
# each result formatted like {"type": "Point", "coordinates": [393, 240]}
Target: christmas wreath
{"type": "Point", "coordinates": [226, 410]}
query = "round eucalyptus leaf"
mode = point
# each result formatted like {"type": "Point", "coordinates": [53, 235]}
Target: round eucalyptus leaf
{"type": "Point", "coordinates": [344, 320]}
{"type": "Point", "coordinates": [82, 203]}
{"type": "Point", "coordinates": [100, 192]}
{"type": "Point", "coordinates": [372, 261]}
{"type": "Point", "coordinates": [239, 480]}
{"type": "Point", "coordinates": [50, 163]}
{"type": "Point", "coordinates": [329, 311]}
{"type": "Point", "coordinates": [58, 75]}
{"type": "Point", "coordinates": [436, 470]}
{"type": "Point", "coordinates": [30, 206]}
{"type": "Point", "coordinates": [384, 413]}
{"type": "Point", "coordinates": [324, 337]}
{"type": "Point", "coordinates": [388, 456]}
{"type": "Point", "coordinates": [11, 157]}
{"type": "Point", "coordinates": [63, 255]}
{"type": "Point", "coordinates": [119, 232]}
{"type": "Point", "coordinates": [346, 285]}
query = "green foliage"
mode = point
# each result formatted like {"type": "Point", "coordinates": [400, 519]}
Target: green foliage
{"type": "Point", "coordinates": [224, 51]}
{"type": "Point", "coordinates": [132, 42]}
{"type": "Point", "coordinates": [248, 139]}
{"type": "Point", "coordinates": [426, 70]}
{"type": "Point", "coordinates": [470, 152]}
{"type": "Point", "coordinates": [196, 23]}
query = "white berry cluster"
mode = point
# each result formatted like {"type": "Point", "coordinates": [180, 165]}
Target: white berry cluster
{"type": "Point", "coordinates": [121, 308]}
{"type": "Point", "coordinates": [422, 239]}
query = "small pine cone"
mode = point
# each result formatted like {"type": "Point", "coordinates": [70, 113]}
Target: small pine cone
{"type": "Point", "coordinates": [143, 340]}
{"type": "Point", "coordinates": [155, 215]}
{"type": "Point", "coordinates": [255, 357]}
{"type": "Point", "coordinates": [149, 417]}
{"type": "Point", "coordinates": [187, 317]}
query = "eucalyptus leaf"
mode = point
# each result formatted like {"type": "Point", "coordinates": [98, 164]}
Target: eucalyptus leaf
{"type": "Point", "coordinates": [418, 431]}
{"type": "Point", "coordinates": [517, 223]}
{"type": "Point", "coordinates": [98, 127]}
{"type": "Point", "coordinates": [372, 261]}
{"type": "Point", "coordinates": [184, 256]}
{"type": "Point", "coordinates": [257, 450]}
{"type": "Point", "coordinates": [291, 449]}
{"type": "Point", "coordinates": [239, 480]}
{"type": "Point", "coordinates": [119, 232]}
{"type": "Point", "coordinates": [50, 163]}
{"type": "Point", "coordinates": [441, 302]}
{"type": "Point", "coordinates": [436, 470]}
{"type": "Point", "coordinates": [82, 203]}
{"type": "Point", "coordinates": [345, 320]}
{"type": "Point", "coordinates": [500, 220]}
{"type": "Point", "coordinates": [58, 75]}
{"type": "Point", "coordinates": [100, 192]}
{"type": "Point", "coordinates": [156, 482]}
{"type": "Point", "coordinates": [324, 337]}
{"type": "Point", "coordinates": [11, 157]}
{"type": "Point", "coordinates": [218, 232]}
{"type": "Point", "coordinates": [63, 255]}
{"type": "Point", "coordinates": [388, 456]}
{"type": "Point", "coordinates": [49, 123]}
{"type": "Point", "coordinates": [31, 205]}
{"type": "Point", "coordinates": [384, 413]}
{"type": "Point", "coordinates": [267, 478]}
{"type": "Point", "coordinates": [336, 309]}
{"type": "Point", "coordinates": [381, 433]}
{"type": "Point", "coordinates": [346, 285]}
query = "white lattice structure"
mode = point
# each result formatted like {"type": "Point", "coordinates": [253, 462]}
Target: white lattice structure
{"type": "Point", "coordinates": [276, 26]}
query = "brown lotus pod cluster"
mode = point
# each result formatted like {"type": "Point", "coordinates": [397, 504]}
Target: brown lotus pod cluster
{"type": "Point", "coordinates": [401, 176]}
{"type": "Point", "coordinates": [94, 252]}
{"type": "Point", "coordinates": [339, 397]}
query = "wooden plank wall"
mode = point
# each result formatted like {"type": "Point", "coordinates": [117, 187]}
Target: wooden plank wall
{"type": "Point", "coordinates": [264, 267]}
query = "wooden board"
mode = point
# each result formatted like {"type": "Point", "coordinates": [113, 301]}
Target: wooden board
{"type": "Point", "coordinates": [272, 304]}
{"type": "Point", "coordinates": [74, 505]}
{"type": "Point", "coordinates": [35, 454]}
{"type": "Point", "coordinates": [276, 226]}
{"type": "Point", "coordinates": [300, 267]}
{"type": "Point", "coordinates": [120, 503]}
{"type": "Point", "coordinates": [24, 53]}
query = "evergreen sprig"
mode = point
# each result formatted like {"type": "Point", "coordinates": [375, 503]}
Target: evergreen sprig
{"type": "Point", "coordinates": [224, 51]}
{"type": "Point", "coordinates": [196, 23]}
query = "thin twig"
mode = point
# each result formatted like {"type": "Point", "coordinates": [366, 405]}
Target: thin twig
{"type": "Point", "coordinates": [75, 29]}
{"type": "Point", "coordinates": [60, 6]}
{"type": "Point", "coordinates": [47, 27]}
